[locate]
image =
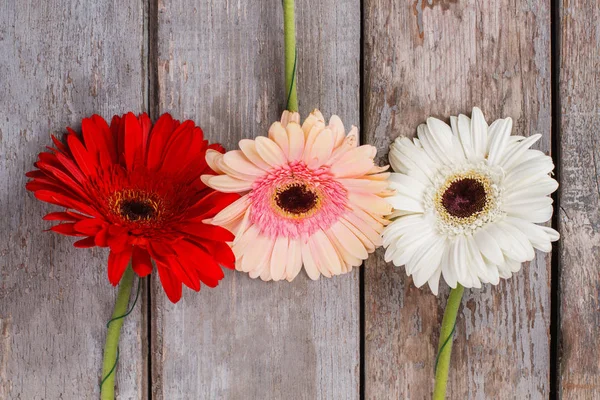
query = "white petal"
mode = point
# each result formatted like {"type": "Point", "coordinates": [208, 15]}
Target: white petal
{"type": "Point", "coordinates": [499, 133]}
{"type": "Point", "coordinates": [479, 132]}
{"type": "Point", "coordinates": [515, 152]}
{"type": "Point", "coordinates": [436, 138]}
{"type": "Point", "coordinates": [448, 270]}
{"type": "Point", "coordinates": [488, 246]}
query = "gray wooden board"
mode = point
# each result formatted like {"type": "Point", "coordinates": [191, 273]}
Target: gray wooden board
{"type": "Point", "coordinates": [60, 61]}
{"type": "Point", "coordinates": [579, 215]}
{"type": "Point", "coordinates": [441, 58]}
{"type": "Point", "coordinates": [221, 64]}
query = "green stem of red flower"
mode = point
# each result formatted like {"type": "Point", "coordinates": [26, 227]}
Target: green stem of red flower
{"type": "Point", "coordinates": [289, 35]}
{"type": "Point", "coordinates": [107, 387]}
{"type": "Point", "coordinates": [445, 346]}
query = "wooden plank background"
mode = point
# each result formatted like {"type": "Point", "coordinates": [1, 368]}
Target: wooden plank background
{"type": "Point", "coordinates": [579, 214]}
{"type": "Point", "coordinates": [442, 60]}
{"type": "Point", "coordinates": [60, 61]}
{"type": "Point", "coordinates": [220, 63]}
{"type": "Point", "coordinates": [358, 336]}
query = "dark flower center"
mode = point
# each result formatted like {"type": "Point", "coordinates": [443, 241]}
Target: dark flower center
{"type": "Point", "coordinates": [464, 197]}
{"type": "Point", "coordinates": [296, 199]}
{"type": "Point", "coordinates": [135, 210]}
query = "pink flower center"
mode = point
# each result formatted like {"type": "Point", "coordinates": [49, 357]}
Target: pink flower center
{"type": "Point", "coordinates": [295, 200]}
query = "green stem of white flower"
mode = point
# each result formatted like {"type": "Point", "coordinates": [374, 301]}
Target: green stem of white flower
{"type": "Point", "coordinates": [445, 346]}
{"type": "Point", "coordinates": [289, 36]}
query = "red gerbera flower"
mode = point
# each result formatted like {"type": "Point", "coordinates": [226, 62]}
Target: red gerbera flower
{"type": "Point", "coordinates": [136, 188]}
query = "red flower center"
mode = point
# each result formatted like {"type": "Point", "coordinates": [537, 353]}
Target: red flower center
{"type": "Point", "coordinates": [136, 205]}
{"type": "Point", "coordinates": [135, 210]}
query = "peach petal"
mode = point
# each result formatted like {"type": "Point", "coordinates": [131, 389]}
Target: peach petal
{"type": "Point", "coordinates": [248, 147]}
{"type": "Point", "coordinates": [309, 263]}
{"type": "Point", "coordinates": [211, 159]}
{"type": "Point", "coordinates": [294, 259]}
{"type": "Point", "coordinates": [270, 152]}
{"type": "Point", "coordinates": [226, 184]}
{"type": "Point", "coordinates": [296, 141]}
{"type": "Point", "coordinates": [337, 127]}
{"type": "Point", "coordinates": [278, 134]}
{"type": "Point", "coordinates": [232, 212]}
{"type": "Point", "coordinates": [279, 258]}
{"type": "Point", "coordinates": [237, 161]}
{"type": "Point", "coordinates": [321, 149]}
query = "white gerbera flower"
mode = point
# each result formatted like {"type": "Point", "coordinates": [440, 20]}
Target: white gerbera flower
{"type": "Point", "coordinates": [468, 198]}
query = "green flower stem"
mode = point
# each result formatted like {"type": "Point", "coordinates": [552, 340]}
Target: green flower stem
{"type": "Point", "coordinates": [107, 388]}
{"type": "Point", "coordinates": [289, 36]}
{"type": "Point", "coordinates": [445, 347]}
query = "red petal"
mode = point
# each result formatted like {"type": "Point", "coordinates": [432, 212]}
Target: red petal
{"type": "Point", "coordinates": [64, 201]}
{"type": "Point", "coordinates": [160, 252]}
{"type": "Point", "coordinates": [133, 141]}
{"type": "Point", "coordinates": [179, 148]}
{"type": "Point", "coordinates": [108, 139]}
{"type": "Point", "coordinates": [102, 238]}
{"type": "Point", "coordinates": [188, 275]}
{"type": "Point", "coordinates": [66, 229]}
{"type": "Point", "coordinates": [96, 141]}
{"type": "Point", "coordinates": [206, 231]}
{"type": "Point", "coordinates": [117, 264]}
{"type": "Point", "coordinates": [89, 226]}
{"type": "Point", "coordinates": [66, 180]}
{"type": "Point", "coordinates": [71, 167]}
{"type": "Point", "coordinates": [117, 238]}
{"type": "Point", "coordinates": [63, 216]}
{"type": "Point", "coordinates": [146, 124]}
{"type": "Point", "coordinates": [81, 156]}
{"type": "Point", "coordinates": [169, 281]}
{"type": "Point", "coordinates": [163, 128]}
{"type": "Point", "coordinates": [85, 243]}
{"type": "Point", "coordinates": [140, 260]}
{"type": "Point", "coordinates": [191, 255]}
{"type": "Point", "coordinates": [222, 253]}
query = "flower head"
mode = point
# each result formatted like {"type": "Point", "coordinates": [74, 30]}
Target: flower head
{"type": "Point", "coordinates": [310, 196]}
{"type": "Point", "coordinates": [136, 188]}
{"type": "Point", "coordinates": [468, 197]}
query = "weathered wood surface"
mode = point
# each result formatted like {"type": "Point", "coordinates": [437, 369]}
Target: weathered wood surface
{"type": "Point", "coordinates": [60, 61]}
{"type": "Point", "coordinates": [579, 214]}
{"type": "Point", "coordinates": [440, 58]}
{"type": "Point", "coordinates": [221, 64]}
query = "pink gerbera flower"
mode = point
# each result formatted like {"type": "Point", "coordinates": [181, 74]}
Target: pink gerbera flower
{"type": "Point", "coordinates": [310, 197]}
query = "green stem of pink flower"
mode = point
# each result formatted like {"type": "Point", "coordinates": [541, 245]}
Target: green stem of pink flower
{"type": "Point", "coordinates": [445, 346]}
{"type": "Point", "coordinates": [107, 387]}
{"type": "Point", "coordinates": [289, 36]}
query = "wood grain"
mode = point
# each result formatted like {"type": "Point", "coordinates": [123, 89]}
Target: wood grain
{"type": "Point", "coordinates": [62, 60]}
{"type": "Point", "coordinates": [579, 216]}
{"type": "Point", "coordinates": [221, 63]}
{"type": "Point", "coordinates": [440, 58]}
